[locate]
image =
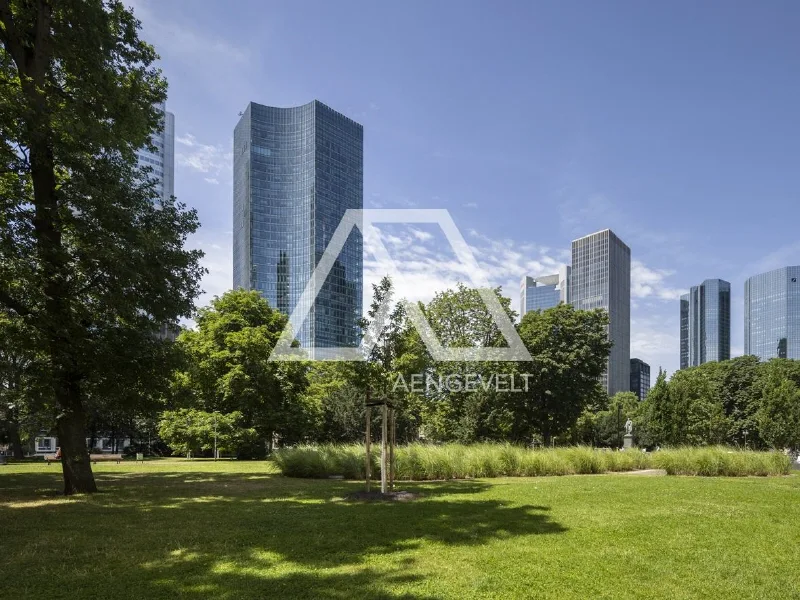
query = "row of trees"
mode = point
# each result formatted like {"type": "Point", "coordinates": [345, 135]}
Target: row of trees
{"type": "Point", "coordinates": [726, 402]}
{"type": "Point", "coordinates": [225, 368]}
{"type": "Point", "coordinates": [223, 388]}
{"type": "Point", "coordinates": [736, 402]}
{"type": "Point", "coordinates": [557, 396]}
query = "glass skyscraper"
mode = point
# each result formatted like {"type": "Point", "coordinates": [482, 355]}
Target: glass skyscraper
{"type": "Point", "coordinates": [544, 292]}
{"type": "Point", "coordinates": [601, 278]}
{"type": "Point", "coordinates": [296, 172]}
{"type": "Point", "coordinates": [772, 314]}
{"type": "Point", "coordinates": [685, 331]}
{"type": "Point", "coordinates": [162, 161]}
{"type": "Point", "coordinates": [706, 323]}
{"type": "Point", "coordinates": [640, 378]}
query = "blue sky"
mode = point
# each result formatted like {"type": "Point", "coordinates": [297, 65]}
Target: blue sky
{"type": "Point", "coordinates": [676, 124]}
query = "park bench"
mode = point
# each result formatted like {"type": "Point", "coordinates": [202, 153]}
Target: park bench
{"type": "Point", "coordinates": [93, 457]}
{"type": "Point", "coordinates": [102, 457]}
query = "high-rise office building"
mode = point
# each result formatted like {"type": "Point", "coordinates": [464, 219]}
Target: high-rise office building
{"type": "Point", "coordinates": [772, 314]}
{"type": "Point", "coordinates": [544, 292]}
{"type": "Point", "coordinates": [296, 171]}
{"type": "Point", "coordinates": [706, 323]}
{"type": "Point", "coordinates": [640, 378]}
{"type": "Point", "coordinates": [685, 331]}
{"type": "Point", "coordinates": [162, 161]}
{"type": "Point", "coordinates": [601, 278]}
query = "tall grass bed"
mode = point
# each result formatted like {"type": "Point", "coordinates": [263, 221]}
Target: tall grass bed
{"type": "Point", "coordinates": [421, 462]}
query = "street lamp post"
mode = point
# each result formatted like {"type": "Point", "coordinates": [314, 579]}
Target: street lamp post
{"type": "Point", "coordinates": [215, 436]}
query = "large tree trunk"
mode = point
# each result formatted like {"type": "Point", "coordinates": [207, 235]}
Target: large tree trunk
{"type": "Point", "coordinates": [32, 52]}
{"type": "Point", "coordinates": [75, 463]}
{"type": "Point", "coordinates": [16, 442]}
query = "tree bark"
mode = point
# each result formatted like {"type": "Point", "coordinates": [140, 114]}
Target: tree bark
{"type": "Point", "coordinates": [71, 426]}
{"type": "Point", "coordinates": [32, 53]}
{"type": "Point", "coordinates": [16, 442]}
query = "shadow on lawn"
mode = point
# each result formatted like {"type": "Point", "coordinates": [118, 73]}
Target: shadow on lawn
{"type": "Point", "coordinates": [223, 535]}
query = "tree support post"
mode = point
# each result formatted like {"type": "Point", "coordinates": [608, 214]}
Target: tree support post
{"type": "Point", "coordinates": [391, 448]}
{"type": "Point", "coordinates": [384, 454]}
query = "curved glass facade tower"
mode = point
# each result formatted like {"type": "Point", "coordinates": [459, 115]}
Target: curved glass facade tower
{"type": "Point", "coordinates": [296, 171]}
{"type": "Point", "coordinates": [772, 314]}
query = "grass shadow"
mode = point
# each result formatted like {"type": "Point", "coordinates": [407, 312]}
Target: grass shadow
{"type": "Point", "coordinates": [198, 535]}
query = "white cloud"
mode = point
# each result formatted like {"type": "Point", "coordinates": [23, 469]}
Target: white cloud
{"type": "Point", "coordinates": [647, 283]}
{"type": "Point", "coordinates": [428, 265]}
{"type": "Point", "coordinates": [204, 158]}
{"type": "Point", "coordinates": [421, 235]}
{"type": "Point", "coordinates": [470, 205]}
{"type": "Point", "coordinates": [656, 340]}
{"type": "Point", "coordinates": [218, 260]}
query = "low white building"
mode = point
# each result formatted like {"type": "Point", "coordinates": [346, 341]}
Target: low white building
{"type": "Point", "coordinates": [45, 444]}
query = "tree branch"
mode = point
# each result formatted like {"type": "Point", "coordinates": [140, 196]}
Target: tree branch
{"type": "Point", "coordinates": [9, 35]}
{"type": "Point", "coordinates": [13, 304]}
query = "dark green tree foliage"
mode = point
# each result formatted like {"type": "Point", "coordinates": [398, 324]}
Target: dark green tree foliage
{"type": "Point", "coordinates": [606, 427]}
{"type": "Point", "coordinates": [655, 412]}
{"type": "Point", "coordinates": [24, 406]}
{"type": "Point", "coordinates": [92, 259]}
{"type": "Point", "coordinates": [459, 318]}
{"type": "Point", "coordinates": [189, 431]}
{"type": "Point", "coordinates": [569, 349]}
{"type": "Point", "coordinates": [227, 369]}
{"type": "Point", "coordinates": [381, 331]}
{"type": "Point", "coordinates": [337, 402]}
{"type": "Point", "coordinates": [778, 415]}
{"type": "Point", "coordinates": [716, 403]}
{"type": "Point", "coordinates": [384, 331]}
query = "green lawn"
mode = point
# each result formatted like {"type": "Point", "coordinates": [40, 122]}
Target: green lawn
{"type": "Point", "coordinates": [199, 529]}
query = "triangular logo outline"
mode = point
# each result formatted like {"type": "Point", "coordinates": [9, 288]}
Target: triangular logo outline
{"type": "Point", "coordinates": [364, 220]}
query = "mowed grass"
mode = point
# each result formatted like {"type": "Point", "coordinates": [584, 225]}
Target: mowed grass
{"type": "Point", "coordinates": [199, 529]}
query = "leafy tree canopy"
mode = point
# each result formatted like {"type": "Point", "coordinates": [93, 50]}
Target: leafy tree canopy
{"type": "Point", "coordinates": [92, 258]}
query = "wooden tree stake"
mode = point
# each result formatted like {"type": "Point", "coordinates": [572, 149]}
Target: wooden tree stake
{"type": "Point", "coordinates": [384, 471]}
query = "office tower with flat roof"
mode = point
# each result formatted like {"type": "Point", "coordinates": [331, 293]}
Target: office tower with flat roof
{"type": "Point", "coordinates": [706, 323]}
{"type": "Point", "coordinates": [296, 172]}
{"type": "Point", "coordinates": [540, 293]}
{"type": "Point", "coordinates": [640, 378]}
{"type": "Point", "coordinates": [162, 159]}
{"type": "Point", "coordinates": [601, 278]}
{"type": "Point", "coordinates": [685, 331]}
{"type": "Point", "coordinates": [772, 314]}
